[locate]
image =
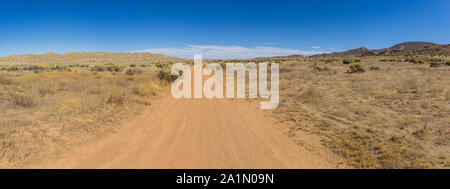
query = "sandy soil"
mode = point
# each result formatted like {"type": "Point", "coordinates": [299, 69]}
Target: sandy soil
{"type": "Point", "coordinates": [194, 133]}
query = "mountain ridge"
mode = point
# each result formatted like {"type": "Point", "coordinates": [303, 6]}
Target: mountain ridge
{"type": "Point", "coordinates": [411, 48]}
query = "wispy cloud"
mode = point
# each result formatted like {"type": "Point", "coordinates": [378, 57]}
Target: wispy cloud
{"type": "Point", "coordinates": [228, 52]}
{"type": "Point", "coordinates": [315, 47]}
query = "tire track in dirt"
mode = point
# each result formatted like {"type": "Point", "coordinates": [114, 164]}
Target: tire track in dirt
{"type": "Point", "coordinates": [193, 133]}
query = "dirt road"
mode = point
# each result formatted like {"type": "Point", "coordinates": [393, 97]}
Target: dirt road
{"type": "Point", "coordinates": [193, 133]}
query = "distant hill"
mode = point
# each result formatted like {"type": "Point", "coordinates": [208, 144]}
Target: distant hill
{"type": "Point", "coordinates": [402, 49]}
{"type": "Point", "coordinates": [289, 56]}
{"type": "Point", "coordinates": [89, 57]}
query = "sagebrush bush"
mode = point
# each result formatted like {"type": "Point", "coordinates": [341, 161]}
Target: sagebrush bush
{"type": "Point", "coordinates": [134, 71]}
{"type": "Point", "coordinates": [162, 65]}
{"type": "Point", "coordinates": [166, 75]}
{"type": "Point", "coordinates": [25, 101]}
{"type": "Point", "coordinates": [320, 68]}
{"type": "Point", "coordinates": [356, 67]}
{"type": "Point", "coordinates": [347, 61]}
{"type": "Point", "coordinates": [111, 67]}
{"type": "Point", "coordinates": [374, 68]}
{"type": "Point", "coordinates": [12, 68]}
{"type": "Point", "coordinates": [116, 98]}
{"type": "Point", "coordinates": [415, 60]}
{"type": "Point", "coordinates": [435, 64]}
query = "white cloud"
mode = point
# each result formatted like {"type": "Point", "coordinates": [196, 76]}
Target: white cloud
{"type": "Point", "coordinates": [315, 47]}
{"type": "Point", "coordinates": [228, 52]}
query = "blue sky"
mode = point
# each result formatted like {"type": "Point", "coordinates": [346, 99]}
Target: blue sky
{"type": "Point", "coordinates": [219, 29]}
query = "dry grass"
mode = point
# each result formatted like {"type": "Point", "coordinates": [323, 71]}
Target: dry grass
{"type": "Point", "coordinates": [394, 116]}
{"type": "Point", "coordinates": [46, 112]}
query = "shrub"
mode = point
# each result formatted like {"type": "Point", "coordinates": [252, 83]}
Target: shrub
{"type": "Point", "coordinates": [115, 98]}
{"type": "Point", "coordinates": [111, 67]}
{"type": "Point", "coordinates": [347, 61]}
{"type": "Point", "coordinates": [328, 60]}
{"type": "Point", "coordinates": [60, 67]}
{"type": "Point", "coordinates": [98, 68]}
{"type": "Point", "coordinates": [47, 89]}
{"type": "Point", "coordinates": [4, 80]}
{"type": "Point", "coordinates": [374, 68]}
{"type": "Point", "coordinates": [447, 63]}
{"type": "Point", "coordinates": [134, 71]}
{"type": "Point", "coordinates": [12, 68]}
{"type": "Point", "coordinates": [165, 74]}
{"type": "Point", "coordinates": [320, 68]}
{"type": "Point", "coordinates": [415, 60]}
{"type": "Point", "coordinates": [132, 65]}
{"type": "Point", "coordinates": [356, 67]}
{"type": "Point", "coordinates": [435, 64]}
{"type": "Point", "coordinates": [419, 61]}
{"type": "Point", "coordinates": [162, 65]}
{"type": "Point", "coordinates": [24, 101]}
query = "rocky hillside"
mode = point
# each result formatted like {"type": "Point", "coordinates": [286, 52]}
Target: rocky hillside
{"type": "Point", "coordinates": [402, 49]}
{"type": "Point", "coordinates": [89, 57]}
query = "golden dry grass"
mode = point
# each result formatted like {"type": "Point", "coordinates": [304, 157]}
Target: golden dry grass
{"type": "Point", "coordinates": [394, 115]}
{"type": "Point", "coordinates": [45, 112]}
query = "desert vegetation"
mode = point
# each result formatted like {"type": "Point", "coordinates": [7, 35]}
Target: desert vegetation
{"type": "Point", "coordinates": [373, 112]}
{"type": "Point", "coordinates": [50, 108]}
{"type": "Point", "coordinates": [393, 115]}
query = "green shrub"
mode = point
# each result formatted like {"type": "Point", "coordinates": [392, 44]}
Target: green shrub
{"type": "Point", "coordinates": [447, 63]}
{"type": "Point", "coordinates": [134, 71]}
{"type": "Point", "coordinates": [347, 61]}
{"type": "Point", "coordinates": [320, 68]}
{"type": "Point", "coordinates": [328, 60]}
{"type": "Point", "coordinates": [162, 65]}
{"type": "Point", "coordinates": [356, 67]}
{"type": "Point", "coordinates": [166, 75]}
{"type": "Point", "coordinates": [390, 60]}
{"type": "Point", "coordinates": [111, 67]}
{"type": "Point", "coordinates": [98, 68]}
{"type": "Point", "coordinates": [60, 67]}
{"type": "Point", "coordinates": [12, 68]}
{"type": "Point", "coordinates": [419, 61]}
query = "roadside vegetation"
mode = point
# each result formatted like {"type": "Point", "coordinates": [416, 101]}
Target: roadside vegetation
{"type": "Point", "coordinates": [49, 108]}
{"type": "Point", "coordinates": [395, 114]}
